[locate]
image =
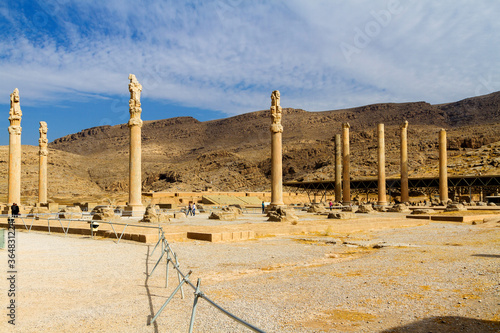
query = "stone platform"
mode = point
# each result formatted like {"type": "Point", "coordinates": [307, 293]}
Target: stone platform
{"type": "Point", "coordinates": [455, 218]}
{"type": "Point", "coordinates": [199, 227]}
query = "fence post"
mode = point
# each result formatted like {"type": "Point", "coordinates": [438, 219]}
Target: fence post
{"type": "Point", "coordinates": [185, 279]}
{"type": "Point", "coordinates": [197, 294]}
{"type": "Point", "coordinates": [178, 274]}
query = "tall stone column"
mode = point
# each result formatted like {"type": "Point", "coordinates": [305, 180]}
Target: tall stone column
{"type": "Point", "coordinates": [346, 190]}
{"type": "Point", "coordinates": [276, 153]}
{"type": "Point", "coordinates": [405, 196]}
{"type": "Point", "coordinates": [42, 168]}
{"type": "Point", "coordinates": [443, 167]}
{"type": "Point", "coordinates": [382, 199]}
{"type": "Point", "coordinates": [338, 169]}
{"type": "Point", "coordinates": [15, 114]}
{"type": "Point", "coordinates": [134, 206]}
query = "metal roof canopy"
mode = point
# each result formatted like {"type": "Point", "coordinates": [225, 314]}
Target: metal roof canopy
{"type": "Point", "coordinates": [426, 184]}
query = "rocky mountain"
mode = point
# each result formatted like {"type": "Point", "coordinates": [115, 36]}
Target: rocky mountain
{"type": "Point", "coordinates": [184, 154]}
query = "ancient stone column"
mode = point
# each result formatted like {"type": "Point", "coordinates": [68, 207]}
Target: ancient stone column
{"type": "Point", "coordinates": [338, 169]}
{"type": "Point", "coordinates": [346, 190]}
{"type": "Point", "coordinates": [276, 153]}
{"type": "Point", "coordinates": [382, 199]}
{"type": "Point", "coordinates": [134, 206]}
{"type": "Point", "coordinates": [15, 114]}
{"type": "Point", "coordinates": [42, 168]}
{"type": "Point", "coordinates": [405, 197]}
{"type": "Point", "coordinates": [443, 166]}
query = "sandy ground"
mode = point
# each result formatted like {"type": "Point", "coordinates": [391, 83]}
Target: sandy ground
{"type": "Point", "coordinates": [441, 277]}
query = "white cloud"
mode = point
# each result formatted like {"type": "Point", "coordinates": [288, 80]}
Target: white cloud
{"type": "Point", "coordinates": [229, 55]}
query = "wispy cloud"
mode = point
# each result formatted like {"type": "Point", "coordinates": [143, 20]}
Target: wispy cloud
{"type": "Point", "coordinates": [229, 55]}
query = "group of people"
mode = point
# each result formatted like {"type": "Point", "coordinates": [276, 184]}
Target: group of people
{"type": "Point", "coordinates": [14, 209]}
{"type": "Point", "coordinates": [191, 209]}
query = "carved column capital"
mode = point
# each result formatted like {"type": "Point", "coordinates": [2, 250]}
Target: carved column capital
{"type": "Point", "coordinates": [16, 130]}
{"type": "Point", "coordinates": [276, 128]}
{"type": "Point", "coordinates": [135, 122]}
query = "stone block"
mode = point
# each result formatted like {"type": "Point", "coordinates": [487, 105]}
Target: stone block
{"type": "Point", "coordinates": [422, 211]}
{"type": "Point", "coordinates": [399, 208]}
{"type": "Point", "coordinates": [455, 207]}
{"type": "Point", "coordinates": [366, 209]}
{"type": "Point", "coordinates": [223, 216]}
{"type": "Point", "coordinates": [341, 216]}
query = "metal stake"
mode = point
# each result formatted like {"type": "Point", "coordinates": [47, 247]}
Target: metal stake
{"type": "Point", "coordinates": [197, 294]}
{"type": "Point", "coordinates": [186, 278]}
{"type": "Point", "coordinates": [178, 274]}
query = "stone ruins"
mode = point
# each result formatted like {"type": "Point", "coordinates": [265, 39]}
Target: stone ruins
{"type": "Point", "coordinates": [443, 167]}
{"type": "Point", "coordinates": [276, 151]}
{"type": "Point", "coordinates": [382, 199]}
{"type": "Point", "coordinates": [338, 168]}
{"type": "Point", "coordinates": [42, 170]}
{"type": "Point", "coordinates": [405, 197]}
{"type": "Point", "coordinates": [346, 189]}
{"type": "Point", "coordinates": [134, 206]}
{"type": "Point", "coordinates": [15, 115]}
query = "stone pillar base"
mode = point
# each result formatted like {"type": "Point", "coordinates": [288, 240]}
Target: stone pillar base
{"type": "Point", "coordinates": [134, 211]}
{"type": "Point", "coordinates": [272, 206]}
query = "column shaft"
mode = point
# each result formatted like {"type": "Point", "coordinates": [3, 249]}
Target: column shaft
{"type": "Point", "coordinates": [276, 170]}
{"type": "Point", "coordinates": [382, 199]}
{"type": "Point", "coordinates": [338, 168]}
{"type": "Point", "coordinates": [135, 183]}
{"type": "Point", "coordinates": [14, 190]}
{"type": "Point", "coordinates": [346, 180]}
{"type": "Point", "coordinates": [443, 165]}
{"type": "Point", "coordinates": [405, 196]}
{"type": "Point", "coordinates": [42, 179]}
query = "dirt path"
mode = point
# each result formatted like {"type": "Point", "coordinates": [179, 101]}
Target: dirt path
{"type": "Point", "coordinates": [441, 277]}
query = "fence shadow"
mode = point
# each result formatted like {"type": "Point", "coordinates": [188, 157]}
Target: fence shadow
{"type": "Point", "coordinates": [487, 255]}
{"type": "Point", "coordinates": [448, 324]}
{"type": "Point", "coordinates": [148, 292]}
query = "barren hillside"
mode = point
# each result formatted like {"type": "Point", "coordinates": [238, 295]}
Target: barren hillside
{"type": "Point", "coordinates": [184, 154]}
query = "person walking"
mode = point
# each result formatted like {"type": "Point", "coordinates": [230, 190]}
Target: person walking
{"type": "Point", "coordinates": [331, 204]}
{"type": "Point", "coordinates": [263, 208]}
{"type": "Point", "coordinates": [190, 210]}
{"type": "Point", "coordinates": [193, 211]}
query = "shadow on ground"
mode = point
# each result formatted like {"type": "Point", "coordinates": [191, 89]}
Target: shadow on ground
{"type": "Point", "coordinates": [448, 325]}
{"type": "Point", "coordinates": [487, 255]}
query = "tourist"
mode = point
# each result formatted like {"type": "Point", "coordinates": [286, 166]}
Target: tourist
{"type": "Point", "coordinates": [193, 209]}
{"type": "Point", "coordinates": [190, 210]}
{"type": "Point", "coordinates": [263, 208]}
{"type": "Point", "coordinates": [15, 210]}
{"type": "Point", "coordinates": [331, 204]}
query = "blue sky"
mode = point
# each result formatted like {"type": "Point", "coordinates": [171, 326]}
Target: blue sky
{"type": "Point", "coordinates": [213, 59]}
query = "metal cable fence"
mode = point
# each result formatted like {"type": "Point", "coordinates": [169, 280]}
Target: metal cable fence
{"type": "Point", "coordinates": [166, 252]}
{"type": "Point", "coordinates": [171, 259]}
{"type": "Point", "coordinates": [29, 219]}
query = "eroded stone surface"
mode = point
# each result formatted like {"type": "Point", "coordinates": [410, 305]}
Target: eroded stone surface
{"type": "Point", "coordinates": [153, 215]}
{"type": "Point", "coordinates": [281, 214]}
{"type": "Point", "coordinates": [341, 216]}
{"type": "Point", "coordinates": [399, 208]}
{"type": "Point", "coordinates": [104, 213]}
{"type": "Point", "coordinates": [366, 209]}
{"type": "Point", "coordinates": [455, 207]}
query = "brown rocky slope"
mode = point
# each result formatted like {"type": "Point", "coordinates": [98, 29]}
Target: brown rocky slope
{"type": "Point", "coordinates": [184, 154]}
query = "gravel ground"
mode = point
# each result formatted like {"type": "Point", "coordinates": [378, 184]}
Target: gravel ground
{"type": "Point", "coordinates": [442, 277]}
